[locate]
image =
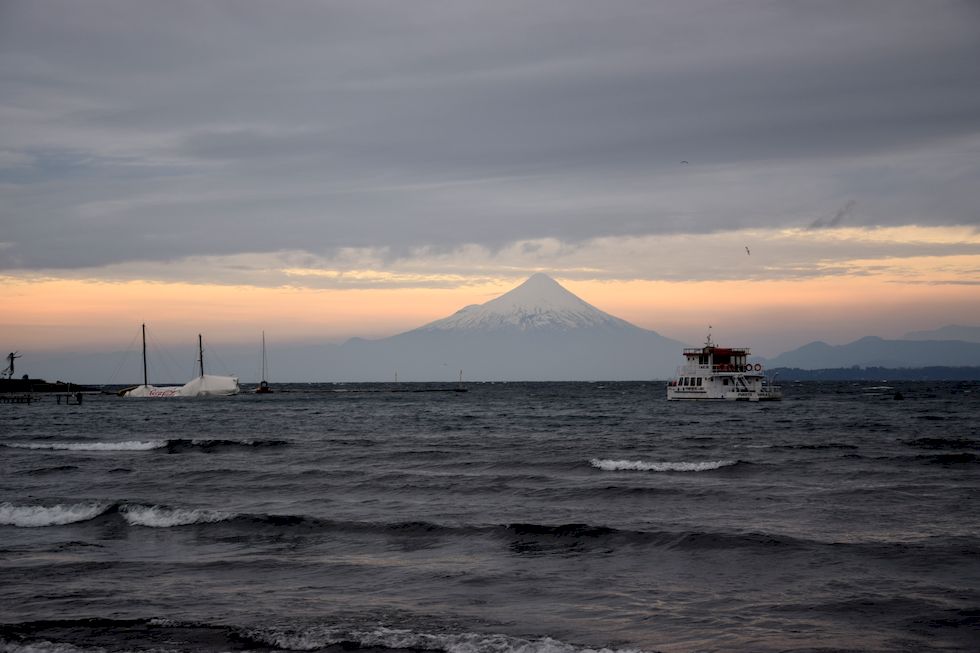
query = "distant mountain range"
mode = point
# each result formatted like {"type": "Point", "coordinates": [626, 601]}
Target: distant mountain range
{"type": "Point", "coordinates": [877, 352]}
{"type": "Point", "coordinates": [538, 331]}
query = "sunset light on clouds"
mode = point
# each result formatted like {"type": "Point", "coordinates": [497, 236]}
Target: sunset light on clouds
{"type": "Point", "coordinates": [785, 173]}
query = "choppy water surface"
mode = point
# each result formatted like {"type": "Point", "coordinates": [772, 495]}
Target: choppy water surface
{"type": "Point", "coordinates": [512, 518]}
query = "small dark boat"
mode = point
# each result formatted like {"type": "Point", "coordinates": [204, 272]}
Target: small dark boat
{"type": "Point", "coordinates": [263, 387]}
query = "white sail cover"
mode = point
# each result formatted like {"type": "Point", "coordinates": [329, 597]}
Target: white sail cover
{"type": "Point", "coordinates": [207, 385]}
{"type": "Point", "coordinates": [210, 385]}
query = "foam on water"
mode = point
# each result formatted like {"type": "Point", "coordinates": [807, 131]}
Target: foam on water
{"type": "Point", "coordinates": [45, 647]}
{"type": "Point", "coordinates": [56, 515]}
{"type": "Point", "coordinates": [161, 517]}
{"type": "Point", "coordinates": [132, 445]}
{"type": "Point", "coordinates": [641, 466]}
{"type": "Point", "coordinates": [318, 637]}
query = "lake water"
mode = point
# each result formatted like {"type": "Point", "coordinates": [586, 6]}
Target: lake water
{"type": "Point", "coordinates": [512, 518]}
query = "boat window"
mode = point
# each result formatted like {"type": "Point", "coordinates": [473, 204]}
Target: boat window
{"type": "Point", "coordinates": [684, 381]}
{"type": "Point", "coordinates": [724, 381]}
{"type": "Point", "coordinates": [699, 381]}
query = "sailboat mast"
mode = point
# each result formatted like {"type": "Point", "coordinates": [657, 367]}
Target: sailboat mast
{"type": "Point", "coordinates": [263, 355]}
{"type": "Point", "coordinates": [200, 352]}
{"type": "Point", "coordinates": [144, 355]}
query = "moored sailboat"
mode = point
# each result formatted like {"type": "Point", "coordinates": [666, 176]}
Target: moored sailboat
{"type": "Point", "coordinates": [263, 387]}
{"type": "Point", "coordinates": [205, 385]}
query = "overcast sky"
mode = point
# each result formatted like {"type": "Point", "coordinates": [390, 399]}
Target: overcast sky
{"type": "Point", "coordinates": [437, 144]}
{"type": "Point", "coordinates": [153, 131]}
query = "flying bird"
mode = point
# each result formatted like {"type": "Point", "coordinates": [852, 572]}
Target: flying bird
{"type": "Point", "coordinates": [747, 250]}
{"type": "Point", "coordinates": [684, 162]}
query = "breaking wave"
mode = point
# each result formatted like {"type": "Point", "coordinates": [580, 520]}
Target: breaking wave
{"type": "Point", "coordinates": [319, 637]}
{"type": "Point", "coordinates": [161, 517]}
{"type": "Point", "coordinates": [131, 445]}
{"type": "Point", "coordinates": [37, 516]}
{"type": "Point", "coordinates": [56, 515]}
{"type": "Point", "coordinates": [174, 445]}
{"type": "Point", "coordinates": [32, 637]}
{"type": "Point", "coordinates": [641, 466]}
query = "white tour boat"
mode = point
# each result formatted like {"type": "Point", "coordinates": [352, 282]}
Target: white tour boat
{"type": "Point", "coordinates": [712, 372]}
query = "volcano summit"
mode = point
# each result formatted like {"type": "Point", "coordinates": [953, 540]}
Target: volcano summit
{"type": "Point", "coordinates": [538, 304]}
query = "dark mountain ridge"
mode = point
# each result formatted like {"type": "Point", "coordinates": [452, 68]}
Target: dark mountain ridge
{"type": "Point", "coordinates": [872, 351]}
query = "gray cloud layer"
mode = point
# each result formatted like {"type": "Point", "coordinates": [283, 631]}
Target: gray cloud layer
{"type": "Point", "coordinates": [155, 131]}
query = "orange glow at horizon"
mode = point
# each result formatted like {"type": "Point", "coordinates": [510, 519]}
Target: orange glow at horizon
{"type": "Point", "coordinates": [57, 314]}
{"type": "Point", "coordinates": [844, 308]}
{"type": "Point", "coordinates": [61, 314]}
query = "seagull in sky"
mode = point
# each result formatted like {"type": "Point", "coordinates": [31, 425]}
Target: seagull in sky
{"type": "Point", "coordinates": [684, 162]}
{"type": "Point", "coordinates": [747, 250]}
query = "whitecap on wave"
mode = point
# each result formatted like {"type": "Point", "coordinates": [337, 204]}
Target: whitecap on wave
{"type": "Point", "coordinates": [45, 647]}
{"type": "Point", "coordinates": [314, 638]}
{"type": "Point", "coordinates": [56, 515]}
{"type": "Point", "coordinates": [131, 445]}
{"type": "Point", "coordinates": [641, 466]}
{"type": "Point", "coordinates": [161, 517]}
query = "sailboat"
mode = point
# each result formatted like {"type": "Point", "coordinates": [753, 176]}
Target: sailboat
{"type": "Point", "coordinates": [205, 385]}
{"type": "Point", "coordinates": [263, 387]}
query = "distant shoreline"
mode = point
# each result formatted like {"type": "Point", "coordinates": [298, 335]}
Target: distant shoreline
{"type": "Point", "coordinates": [932, 373]}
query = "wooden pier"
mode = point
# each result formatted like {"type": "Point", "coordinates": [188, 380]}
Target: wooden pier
{"type": "Point", "coordinates": [17, 399]}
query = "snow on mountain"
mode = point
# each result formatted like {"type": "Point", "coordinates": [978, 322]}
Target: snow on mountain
{"type": "Point", "coordinates": [540, 303]}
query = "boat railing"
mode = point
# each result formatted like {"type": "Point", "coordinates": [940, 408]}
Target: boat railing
{"type": "Point", "coordinates": [769, 388]}
{"type": "Point", "coordinates": [771, 392]}
{"type": "Point", "coordinates": [744, 351]}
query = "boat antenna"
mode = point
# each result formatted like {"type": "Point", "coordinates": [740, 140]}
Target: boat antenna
{"type": "Point", "coordinates": [707, 343]}
{"type": "Point", "coordinates": [200, 352]}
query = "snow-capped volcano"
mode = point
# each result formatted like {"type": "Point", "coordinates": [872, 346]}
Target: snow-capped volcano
{"type": "Point", "coordinates": [540, 303]}
{"type": "Point", "coordinates": [537, 331]}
